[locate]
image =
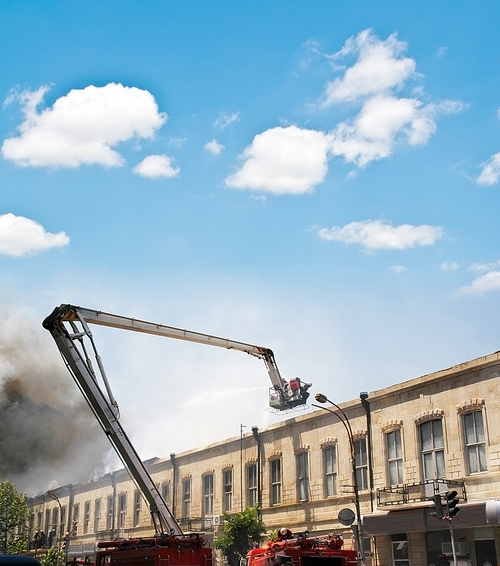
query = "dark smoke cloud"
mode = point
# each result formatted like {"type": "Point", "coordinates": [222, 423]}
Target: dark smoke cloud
{"type": "Point", "coordinates": [48, 435]}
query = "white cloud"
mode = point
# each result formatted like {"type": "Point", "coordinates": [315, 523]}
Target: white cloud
{"type": "Point", "coordinates": [490, 172]}
{"type": "Point", "coordinates": [488, 282]}
{"type": "Point", "coordinates": [484, 267]}
{"type": "Point", "coordinates": [385, 118]}
{"type": "Point", "coordinates": [449, 265]}
{"type": "Point", "coordinates": [224, 119]}
{"type": "Point", "coordinates": [378, 68]}
{"type": "Point", "coordinates": [21, 236]}
{"type": "Point", "coordinates": [283, 161]}
{"type": "Point", "coordinates": [82, 127]}
{"type": "Point", "coordinates": [156, 167]}
{"type": "Point", "coordinates": [377, 235]}
{"type": "Point", "coordinates": [398, 268]}
{"type": "Point", "coordinates": [214, 147]}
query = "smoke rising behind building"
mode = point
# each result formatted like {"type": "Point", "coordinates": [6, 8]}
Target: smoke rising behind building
{"type": "Point", "coordinates": [48, 435]}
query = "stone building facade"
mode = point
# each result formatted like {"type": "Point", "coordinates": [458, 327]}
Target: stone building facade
{"type": "Point", "coordinates": [412, 441]}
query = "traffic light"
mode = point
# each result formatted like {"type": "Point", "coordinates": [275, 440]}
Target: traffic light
{"type": "Point", "coordinates": [451, 504]}
{"type": "Point", "coordinates": [437, 506]}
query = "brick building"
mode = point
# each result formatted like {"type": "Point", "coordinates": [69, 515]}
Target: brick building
{"type": "Point", "coordinates": [433, 434]}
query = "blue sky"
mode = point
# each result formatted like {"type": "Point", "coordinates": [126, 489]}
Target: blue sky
{"type": "Point", "coordinates": [321, 178]}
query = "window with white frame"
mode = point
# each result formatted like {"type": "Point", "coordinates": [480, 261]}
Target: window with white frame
{"type": "Point", "coordinates": [137, 508]}
{"type": "Point", "coordinates": [227, 479]}
{"type": "Point", "coordinates": [165, 492]}
{"type": "Point", "coordinates": [109, 514]}
{"type": "Point", "coordinates": [86, 516]}
{"type": "Point", "coordinates": [330, 468]}
{"type": "Point", "coordinates": [432, 449]}
{"type": "Point", "coordinates": [252, 485]}
{"type": "Point", "coordinates": [76, 517]}
{"type": "Point", "coordinates": [475, 445]}
{"type": "Point", "coordinates": [399, 543]}
{"type": "Point", "coordinates": [394, 456]}
{"type": "Point", "coordinates": [122, 510]}
{"type": "Point", "coordinates": [97, 514]}
{"type": "Point", "coordinates": [186, 498]}
{"type": "Point", "coordinates": [275, 481]}
{"type": "Point", "coordinates": [361, 463]}
{"type": "Point", "coordinates": [208, 495]}
{"type": "Point", "coordinates": [303, 476]}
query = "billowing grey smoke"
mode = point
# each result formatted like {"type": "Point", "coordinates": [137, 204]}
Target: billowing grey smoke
{"type": "Point", "coordinates": [48, 435]}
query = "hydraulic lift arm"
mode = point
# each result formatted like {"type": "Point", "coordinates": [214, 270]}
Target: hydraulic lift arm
{"type": "Point", "coordinates": [68, 325]}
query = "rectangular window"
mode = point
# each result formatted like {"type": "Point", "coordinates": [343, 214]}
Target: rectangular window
{"type": "Point", "coordinates": [227, 477]}
{"type": "Point", "coordinates": [361, 464]}
{"type": "Point", "coordinates": [208, 495]}
{"type": "Point", "coordinates": [122, 510]}
{"type": "Point", "coordinates": [432, 447]}
{"type": "Point", "coordinates": [47, 520]}
{"type": "Point", "coordinates": [303, 476]}
{"type": "Point", "coordinates": [475, 446]}
{"type": "Point", "coordinates": [97, 515]}
{"type": "Point", "coordinates": [165, 492]}
{"type": "Point", "coordinates": [76, 518]}
{"type": "Point", "coordinates": [63, 518]}
{"type": "Point", "coordinates": [252, 484]}
{"type": "Point", "coordinates": [86, 517]}
{"type": "Point", "coordinates": [400, 556]}
{"type": "Point", "coordinates": [394, 457]}
{"type": "Point", "coordinates": [330, 467]}
{"type": "Point", "coordinates": [137, 508]}
{"type": "Point", "coordinates": [275, 482]}
{"type": "Point", "coordinates": [109, 514]}
{"type": "Point", "coordinates": [55, 520]}
{"type": "Point", "coordinates": [186, 499]}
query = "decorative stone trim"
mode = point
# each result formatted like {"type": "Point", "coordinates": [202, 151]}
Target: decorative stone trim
{"type": "Point", "coordinates": [251, 461]}
{"type": "Point", "coordinates": [389, 426]}
{"type": "Point", "coordinates": [327, 442]}
{"type": "Point", "coordinates": [301, 449]}
{"type": "Point", "coordinates": [470, 405]}
{"type": "Point", "coordinates": [274, 455]}
{"type": "Point", "coordinates": [359, 434]}
{"type": "Point", "coordinates": [186, 477]}
{"type": "Point", "coordinates": [227, 467]}
{"type": "Point", "coordinates": [429, 416]}
{"type": "Point", "coordinates": [208, 473]}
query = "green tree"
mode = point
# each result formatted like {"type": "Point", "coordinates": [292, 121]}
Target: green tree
{"type": "Point", "coordinates": [53, 557]}
{"type": "Point", "coordinates": [13, 516]}
{"type": "Point", "coordinates": [239, 533]}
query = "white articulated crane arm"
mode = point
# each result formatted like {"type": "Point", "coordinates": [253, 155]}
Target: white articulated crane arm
{"type": "Point", "coordinates": [68, 325]}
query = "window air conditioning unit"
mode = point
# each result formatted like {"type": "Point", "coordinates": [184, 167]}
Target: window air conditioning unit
{"type": "Point", "coordinates": [461, 548]}
{"type": "Point", "coordinates": [218, 520]}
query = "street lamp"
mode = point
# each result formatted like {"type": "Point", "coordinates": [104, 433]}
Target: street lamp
{"type": "Point", "coordinates": [340, 414]}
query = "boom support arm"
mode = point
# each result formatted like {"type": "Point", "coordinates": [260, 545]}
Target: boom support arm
{"type": "Point", "coordinates": [70, 331]}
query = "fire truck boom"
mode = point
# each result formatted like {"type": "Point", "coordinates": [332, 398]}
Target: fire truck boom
{"type": "Point", "coordinates": [69, 326]}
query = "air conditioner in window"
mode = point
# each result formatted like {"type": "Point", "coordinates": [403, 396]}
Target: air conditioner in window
{"type": "Point", "coordinates": [217, 520]}
{"type": "Point", "coordinates": [461, 548]}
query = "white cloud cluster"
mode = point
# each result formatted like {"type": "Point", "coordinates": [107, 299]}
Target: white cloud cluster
{"type": "Point", "coordinates": [488, 282]}
{"type": "Point", "coordinates": [21, 236]}
{"type": "Point", "coordinates": [374, 81]}
{"type": "Point", "coordinates": [224, 119]}
{"type": "Point", "coordinates": [449, 266]}
{"type": "Point", "coordinates": [378, 235]}
{"type": "Point", "coordinates": [490, 171]}
{"type": "Point", "coordinates": [214, 147]}
{"type": "Point", "coordinates": [82, 127]}
{"type": "Point", "coordinates": [283, 161]}
{"type": "Point", "coordinates": [156, 167]}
